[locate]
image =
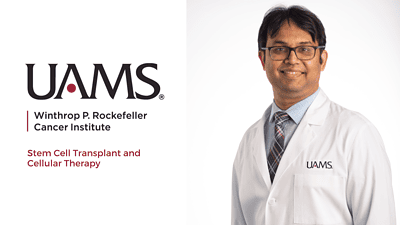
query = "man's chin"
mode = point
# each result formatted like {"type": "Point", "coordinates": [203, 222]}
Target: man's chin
{"type": "Point", "coordinates": [294, 91]}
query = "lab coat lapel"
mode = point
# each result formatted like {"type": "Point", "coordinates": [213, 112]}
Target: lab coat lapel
{"type": "Point", "coordinates": [258, 148]}
{"type": "Point", "coordinates": [305, 133]}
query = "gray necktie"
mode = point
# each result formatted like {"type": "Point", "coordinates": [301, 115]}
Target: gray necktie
{"type": "Point", "coordinates": [277, 149]}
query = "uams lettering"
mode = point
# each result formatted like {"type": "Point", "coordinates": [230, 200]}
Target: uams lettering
{"type": "Point", "coordinates": [98, 68]}
{"type": "Point", "coordinates": [320, 164]}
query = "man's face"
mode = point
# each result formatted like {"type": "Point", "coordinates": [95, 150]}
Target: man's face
{"type": "Point", "coordinates": [293, 78]}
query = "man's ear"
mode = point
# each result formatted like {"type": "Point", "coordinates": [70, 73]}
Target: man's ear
{"type": "Point", "coordinates": [323, 59]}
{"type": "Point", "coordinates": [262, 58]}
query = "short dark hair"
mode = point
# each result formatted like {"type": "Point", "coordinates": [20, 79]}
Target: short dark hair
{"type": "Point", "coordinates": [302, 17]}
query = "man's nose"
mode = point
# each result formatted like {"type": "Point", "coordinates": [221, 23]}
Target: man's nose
{"type": "Point", "coordinates": [292, 58]}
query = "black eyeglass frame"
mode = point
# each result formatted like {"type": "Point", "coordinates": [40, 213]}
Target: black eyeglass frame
{"type": "Point", "coordinates": [290, 50]}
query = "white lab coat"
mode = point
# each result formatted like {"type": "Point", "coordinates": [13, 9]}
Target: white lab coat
{"type": "Point", "coordinates": [350, 183]}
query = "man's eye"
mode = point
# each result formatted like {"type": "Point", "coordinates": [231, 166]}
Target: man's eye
{"type": "Point", "coordinates": [278, 50]}
{"type": "Point", "coordinates": [304, 49]}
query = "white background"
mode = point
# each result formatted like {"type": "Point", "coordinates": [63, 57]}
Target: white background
{"type": "Point", "coordinates": [150, 189]}
{"type": "Point", "coordinates": [228, 90]}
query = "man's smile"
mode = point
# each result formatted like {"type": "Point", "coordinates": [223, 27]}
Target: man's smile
{"type": "Point", "coordinates": [291, 72]}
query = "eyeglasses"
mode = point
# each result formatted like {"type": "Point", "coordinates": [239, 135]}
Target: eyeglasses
{"type": "Point", "coordinates": [283, 52]}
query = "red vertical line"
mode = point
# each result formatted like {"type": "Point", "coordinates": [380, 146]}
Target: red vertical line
{"type": "Point", "coordinates": [27, 121]}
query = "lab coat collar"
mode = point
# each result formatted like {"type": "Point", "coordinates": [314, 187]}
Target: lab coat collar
{"type": "Point", "coordinates": [304, 134]}
{"type": "Point", "coordinates": [318, 110]}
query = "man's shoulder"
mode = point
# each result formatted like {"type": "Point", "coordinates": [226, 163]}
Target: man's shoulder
{"type": "Point", "coordinates": [347, 117]}
{"type": "Point", "coordinates": [351, 128]}
{"type": "Point", "coordinates": [323, 109]}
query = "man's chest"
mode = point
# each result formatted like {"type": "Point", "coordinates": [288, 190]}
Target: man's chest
{"type": "Point", "coordinates": [310, 183]}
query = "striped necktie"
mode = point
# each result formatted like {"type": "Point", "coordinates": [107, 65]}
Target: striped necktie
{"type": "Point", "coordinates": [277, 149]}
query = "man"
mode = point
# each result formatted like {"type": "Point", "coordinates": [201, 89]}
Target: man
{"type": "Point", "coordinates": [307, 160]}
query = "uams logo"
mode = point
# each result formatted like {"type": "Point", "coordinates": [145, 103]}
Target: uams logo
{"type": "Point", "coordinates": [320, 164]}
{"type": "Point", "coordinates": [98, 68]}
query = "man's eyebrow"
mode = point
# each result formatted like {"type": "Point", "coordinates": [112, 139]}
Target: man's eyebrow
{"type": "Point", "coordinates": [285, 43]}
{"type": "Point", "coordinates": [305, 42]}
{"type": "Point", "coordinates": [279, 42]}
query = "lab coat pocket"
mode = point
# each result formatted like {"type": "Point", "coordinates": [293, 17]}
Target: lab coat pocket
{"type": "Point", "coordinates": [318, 199]}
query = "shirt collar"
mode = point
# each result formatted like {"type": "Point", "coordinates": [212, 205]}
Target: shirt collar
{"type": "Point", "coordinates": [296, 111]}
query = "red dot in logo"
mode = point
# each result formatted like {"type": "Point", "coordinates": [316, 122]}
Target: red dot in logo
{"type": "Point", "coordinates": [71, 88]}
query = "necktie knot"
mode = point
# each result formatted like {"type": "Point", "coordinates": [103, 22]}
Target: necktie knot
{"type": "Point", "coordinates": [281, 117]}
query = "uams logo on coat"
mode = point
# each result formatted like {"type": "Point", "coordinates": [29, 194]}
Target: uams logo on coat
{"type": "Point", "coordinates": [98, 68]}
{"type": "Point", "coordinates": [319, 164]}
